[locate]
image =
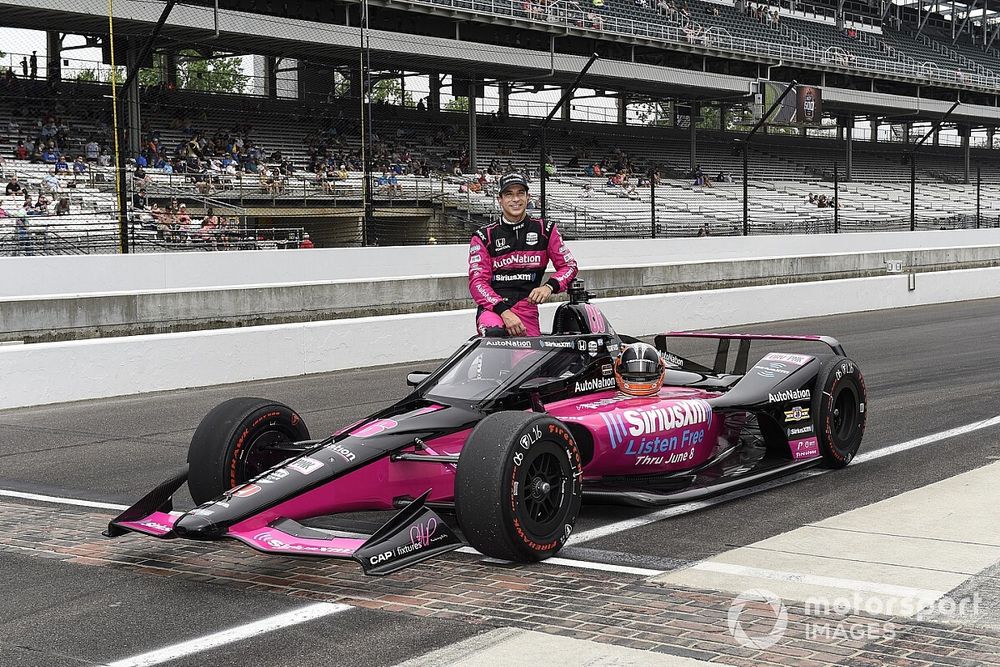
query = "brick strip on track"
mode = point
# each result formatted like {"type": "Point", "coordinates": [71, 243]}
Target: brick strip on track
{"type": "Point", "coordinates": [614, 608]}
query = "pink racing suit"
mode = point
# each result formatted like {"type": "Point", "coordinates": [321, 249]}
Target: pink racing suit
{"type": "Point", "coordinates": [507, 261]}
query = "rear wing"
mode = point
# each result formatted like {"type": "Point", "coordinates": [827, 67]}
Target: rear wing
{"type": "Point", "coordinates": [743, 350]}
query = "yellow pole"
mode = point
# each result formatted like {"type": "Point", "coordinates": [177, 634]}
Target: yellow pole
{"type": "Point", "coordinates": [114, 111]}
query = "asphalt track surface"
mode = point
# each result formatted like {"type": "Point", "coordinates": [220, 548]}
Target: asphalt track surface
{"type": "Point", "coordinates": [927, 369]}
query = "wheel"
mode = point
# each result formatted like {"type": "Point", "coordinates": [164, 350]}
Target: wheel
{"type": "Point", "coordinates": [519, 486]}
{"type": "Point", "coordinates": [840, 408]}
{"type": "Point", "coordinates": [238, 440]}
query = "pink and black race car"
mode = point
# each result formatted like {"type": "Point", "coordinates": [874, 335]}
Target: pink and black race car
{"type": "Point", "coordinates": [512, 434]}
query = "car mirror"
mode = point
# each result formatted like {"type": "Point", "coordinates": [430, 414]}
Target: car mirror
{"type": "Point", "coordinates": [416, 377]}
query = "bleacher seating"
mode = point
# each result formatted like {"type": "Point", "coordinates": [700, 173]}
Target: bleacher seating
{"type": "Point", "coordinates": [783, 170]}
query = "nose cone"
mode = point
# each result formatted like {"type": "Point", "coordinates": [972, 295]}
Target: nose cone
{"type": "Point", "coordinates": [198, 527]}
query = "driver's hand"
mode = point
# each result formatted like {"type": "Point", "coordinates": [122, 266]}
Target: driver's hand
{"type": "Point", "coordinates": [540, 294]}
{"type": "Point", "coordinates": [512, 323]}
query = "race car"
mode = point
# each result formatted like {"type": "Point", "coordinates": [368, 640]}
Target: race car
{"type": "Point", "coordinates": [511, 435]}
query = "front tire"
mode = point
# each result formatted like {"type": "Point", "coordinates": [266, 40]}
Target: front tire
{"type": "Point", "coordinates": [519, 486]}
{"type": "Point", "coordinates": [840, 407]}
{"type": "Point", "coordinates": [236, 442]}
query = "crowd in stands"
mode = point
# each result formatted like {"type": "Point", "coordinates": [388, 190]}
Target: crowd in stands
{"type": "Point", "coordinates": [821, 201]}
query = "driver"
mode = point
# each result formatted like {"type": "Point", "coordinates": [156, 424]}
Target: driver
{"type": "Point", "coordinates": [507, 261]}
{"type": "Point", "coordinates": [639, 370]}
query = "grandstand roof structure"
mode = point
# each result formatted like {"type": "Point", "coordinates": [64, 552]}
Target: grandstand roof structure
{"type": "Point", "coordinates": [244, 32]}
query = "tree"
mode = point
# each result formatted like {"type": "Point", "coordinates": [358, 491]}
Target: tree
{"type": "Point", "coordinates": [214, 75]}
{"type": "Point", "coordinates": [653, 113]}
{"type": "Point", "coordinates": [457, 104]}
{"type": "Point", "coordinates": [390, 91]}
{"type": "Point", "coordinates": [147, 77]}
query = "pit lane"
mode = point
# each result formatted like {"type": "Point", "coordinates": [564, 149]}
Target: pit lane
{"type": "Point", "coordinates": [928, 369]}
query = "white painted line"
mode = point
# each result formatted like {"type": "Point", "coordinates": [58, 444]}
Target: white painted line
{"type": "Point", "coordinates": [238, 633]}
{"type": "Point", "coordinates": [817, 580]}
{"type": "Point", "coordinates": [61, 501]}
{"type": "Point", "coordinates": [687, 508]}
{"type": "Point", "coordinates": [572, 562]}
{"type": "Point", "coordinates": [926, 440]}
{"type": "Point", "coordinates": [588, 565]}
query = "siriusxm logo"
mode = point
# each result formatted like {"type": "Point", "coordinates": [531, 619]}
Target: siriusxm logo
{"type": "Point", "coordinates": [631, 424]}
{"type": "Point", "coordinates": [511, 277]}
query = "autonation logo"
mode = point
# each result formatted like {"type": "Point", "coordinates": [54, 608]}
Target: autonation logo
{"type": "Point", "coordinates": [758, 618]}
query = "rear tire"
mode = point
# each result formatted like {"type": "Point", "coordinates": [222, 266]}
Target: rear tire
{"type": "Point", "coordinates": [231, 444]}
{"type": "Point", "coordinates": [519, 486]}
{"type": "Point", "coordinates": [840, 407]}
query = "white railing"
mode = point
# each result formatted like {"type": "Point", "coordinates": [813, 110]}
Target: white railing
{"type": "Point", "coordinates": [595, 21]}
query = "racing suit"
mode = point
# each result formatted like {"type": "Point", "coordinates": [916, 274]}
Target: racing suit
{"type": "Point", "coordinates": [507, 261]}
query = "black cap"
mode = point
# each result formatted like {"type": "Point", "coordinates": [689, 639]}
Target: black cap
{"type": "Point", "coordinates": [513, 179]}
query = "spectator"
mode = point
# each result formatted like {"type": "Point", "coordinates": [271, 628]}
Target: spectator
{"type": "Point", "coordinates": [33, 64]}
{"type": "Point", "coordinates": [588, 191]}
{"type": "Point", "coordinates": [62, 208]}
{"type": "Point", "coordinates": [41, 206]}
{"type": "Point", "coordinates": [62, 167]}
{"type": "Point", "coordinates": [79, 166]}
{"type": "Point", "coordinates": [183, 221]}
{"type": "Point", "coordinates": [278, 181]}
{"type": "Point", "coordinates": [724, 177]}
{"type": "Point", "coordinates": [209, 231]}
{"type": "Point", "coordinates": [306, 243]}
{"type": "Point", "coordinates": [13, 186]}
{"type": "Point", "coordinates": [50, 155]}
{"type": "Point", "coordinates": [24, 67]}
{"type": "Point", "coordinates": [93, 150]}
{"type": "Point", "coordinates": [50, 182]}
{"type": "Point", "coordinates": [704, 230]}
{"type": "Point", "coordinates": [21, 151]}
{"type": "Point", "coordinates": [23, 233]}
{"type": "Point", "coordinates": [394, 185]}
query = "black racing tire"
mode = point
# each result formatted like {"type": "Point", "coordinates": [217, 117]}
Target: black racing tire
{"type": "Point", "coordinates": [840, 408]}
{"type": "Point", "coordinates": [519, 486]}
{"type": "Point", "coordinates": [231, 444]}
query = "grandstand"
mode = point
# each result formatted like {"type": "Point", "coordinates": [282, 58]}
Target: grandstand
{"type": "Point", "coordinates": [262, 169]}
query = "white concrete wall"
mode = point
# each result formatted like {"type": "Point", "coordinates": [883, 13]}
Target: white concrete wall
{"type": "Point", "coordinates": [32, 276]}
{"type": "Point", "coordinates": [56, 372]}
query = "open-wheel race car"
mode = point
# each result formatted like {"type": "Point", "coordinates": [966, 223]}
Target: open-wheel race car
{"type": "Point", "coordinates": [512, 434]}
